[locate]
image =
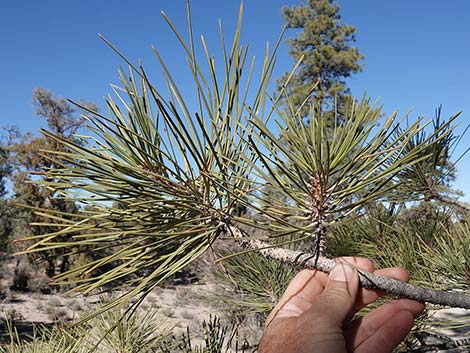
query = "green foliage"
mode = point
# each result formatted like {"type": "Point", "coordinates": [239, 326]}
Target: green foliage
{"type": "Point", "coordinates": [8, 135]}
{"type": "Point", "coordinates": [28, 152]}
{"type": "Point", "coordinates": [328, 57]}
{"type": "Point", "coordinates": [107, 333]}
{"type": "Point", "coordinates": [427, 179]}
{"type": "Point", "coordinates": [327, 180]}
{"type": "Point", "coordinates": [259, 283]}
{"type": "Point", "coordinates": [158, 185]}
{"type": "Point", "coordinates": [404, 232]}
{"type": "Point", "coordinates": [57, 340]}
{"type": "Point", "coordinates": [449, 255]}
{"type": "Point", "coordinates": [432, 249]}
{"type": "Point", "coordinates": [428, 241]}
{"type": "Point", "coordinates": [26, 160]}
{"type": "Point", "coordinates": [4, 170]}
{"type": "Point", "coordinates": [217, 339]}
{"type": "Point", "coordinates": [175, 176]}
{"type": "Point", "coordinates": [115, 331]}
{"type": "Point", "coordinates": [7, 216]}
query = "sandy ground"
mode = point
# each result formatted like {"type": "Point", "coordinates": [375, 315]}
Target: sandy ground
{"type": "Point", "coordinates": [178, 305]}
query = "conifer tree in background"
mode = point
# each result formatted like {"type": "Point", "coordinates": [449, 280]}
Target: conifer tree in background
{"type": "Point", "coordinates": [5, 212]}
{"type": "Point", "coordinates": [328, 56]}
{"type": "Point", "coordinates": [325, 57]}
{"type": "Point", "coordinates": [28, 156]}
{"type": "Point", "coordinates": [10, 216]}
{"type": "Point", "coordinates": [321, 48]}
{"type": "Point", "coordinates": [4, 170]}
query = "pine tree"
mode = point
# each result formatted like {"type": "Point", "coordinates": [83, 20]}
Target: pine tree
{"type": "Point", "coordinates": [29, 156]}
{"type": "Point", "coordinates": [324, 48]}
{"type": "Point", "coordinates": [177, 181]}
{"type": "Point", "coordinates": [5, 223]}
{"type": "Point", "coordinates": [3, 170]}
{"type": "Point", "coordinates": [8, 214]}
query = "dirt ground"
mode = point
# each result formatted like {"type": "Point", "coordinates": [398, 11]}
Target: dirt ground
{"type": "Point", "coordinates": [179, 304]}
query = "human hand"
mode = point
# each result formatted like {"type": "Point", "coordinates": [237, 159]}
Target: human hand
{"type": "Point", "coordinates": [313, 315]}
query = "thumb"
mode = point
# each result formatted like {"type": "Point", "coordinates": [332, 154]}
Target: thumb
{"type": "Point", "coordinates": [334, 304]}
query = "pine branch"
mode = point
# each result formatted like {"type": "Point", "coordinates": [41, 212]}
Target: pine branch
{"type": "Point", "coordinates": [464, 206]}
{"type": "Point", "coordinates": [367, 279]}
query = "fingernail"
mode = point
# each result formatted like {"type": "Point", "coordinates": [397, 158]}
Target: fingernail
{"type": "Point", "coordinates": [342, 273]}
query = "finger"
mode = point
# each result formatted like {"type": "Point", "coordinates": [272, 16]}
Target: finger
{"type": "Point", "coordinates": [389, 335]}
{"type": "Point", "coordinates": [305, 275]}
{"type": "Point", "coordinates": [367, 296]}
{"type": "Point", "coordinates": [334, 304]}
{"type": "Point", "coordinates": [298, 295]}
{"type": "Point", "coordinates": [306, 286]}
{"type": "Point", "coordinates": [384, 328]}
{"type": "Point", "coordinates": [358, 262]}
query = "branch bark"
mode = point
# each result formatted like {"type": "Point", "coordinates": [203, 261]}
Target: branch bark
{"type": "Point", "coordinates": [367, 279]}
{"type": "Point", "coordinates": [464, 206]}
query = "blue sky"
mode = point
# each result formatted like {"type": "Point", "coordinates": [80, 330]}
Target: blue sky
{"type": "Point", "coordinates": [416, 52]}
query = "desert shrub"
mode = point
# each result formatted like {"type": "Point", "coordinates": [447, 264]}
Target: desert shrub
{"type": "Point", "coordinates": [5, 293]}
{"type": "Point", "coordinates": [108, 333]}
{"type": "Point", "coordinates": [27, 277]}
{"type": "Point", "coordinates": [112, 332]}
{"type": "Point", "coordinates": [217, 339]}
{"type": "Point", "coordinates": [115, 332]}
{"type": "Point", "coordinates": [40, 283]}
{"type": "Point", "coordinates": [7, 215]}
{"type": "Point", "coordinates": [56, 312]}
{"type": "Point", "coordinates": [55, 340]}
{"type": "Point", "coordinates": [22, 274]}
{"type": "Point", "coordinates": [13, 315]}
